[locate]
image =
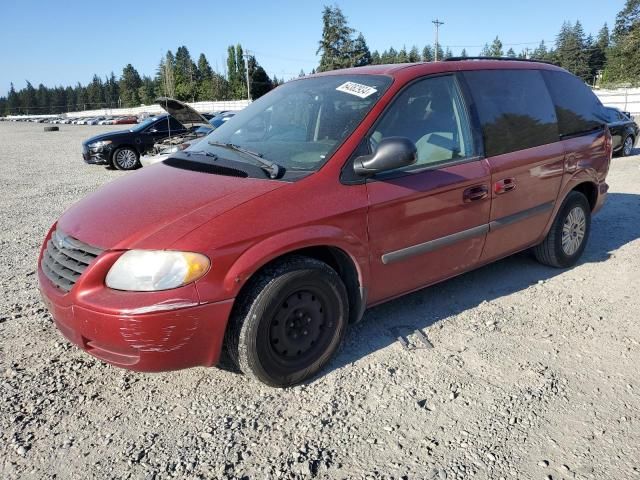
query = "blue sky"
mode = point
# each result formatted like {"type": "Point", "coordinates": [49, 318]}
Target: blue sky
{"type": "Point", "coordinates": [60, 43]}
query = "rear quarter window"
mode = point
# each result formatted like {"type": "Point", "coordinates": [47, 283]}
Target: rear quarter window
{"type": "Point", "coordinates": [514, 108]}
{"type": "Point", "coordinates": [578, 109]}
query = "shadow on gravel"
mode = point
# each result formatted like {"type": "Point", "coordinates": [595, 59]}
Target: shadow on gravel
{"type": "Point", "coordinates": [617, 224]}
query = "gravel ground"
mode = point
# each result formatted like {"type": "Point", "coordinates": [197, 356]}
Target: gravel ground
{"type": "Point", "coordinates": [534, 372]}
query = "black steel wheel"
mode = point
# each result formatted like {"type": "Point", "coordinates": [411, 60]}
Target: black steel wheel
{"type": "Point", "coordinates": [289, 322]}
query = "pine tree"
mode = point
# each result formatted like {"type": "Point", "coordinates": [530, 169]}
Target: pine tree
{"type": "Point", "coordinates": [185, 72]}
{"type": "Point", "coordinates": [511, 53]}
{"type": "Point", "coordinates": [403, 56]}
{"type": "Point", "coordinates": [335, 46]}
{"type": "Point", "coordinates": [623, 60]}
{"type": "Point", "coordinates": [375, 58]}
{"type": "Point", "coordinates": [496, 48]}
{"type": "Point", "coordinates": [414, 54]}
{"type": "Point", "coordinates": [13, 100]}
{"type": "Point", "coordinates": [361, 55]}
{"type": "Point", "coordinates": [571, 50]}
{"type": "Point", "coordinates": [130, 82]}
{"type": "Point", "coordinates": [486, 51]}
{"type": "Point", "coordinates": [541, 52]}
{"type": "Point", "coordinates": [463, 53]}
{"type": "Point", "coordinates": [448, 53]}
{"type": "Point", "coordinates": [393, 55]}
{"type": "Point", "coordinates": [427, 54]}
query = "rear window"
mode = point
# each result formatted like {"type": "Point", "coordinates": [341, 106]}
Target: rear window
{"type": "Point", "coordinates": [579, 110]}
{"type": "Point", "coordinates": [514, 108]}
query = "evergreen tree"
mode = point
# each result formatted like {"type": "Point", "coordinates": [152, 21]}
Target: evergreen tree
{"type": "Point", "coordinates": [623, 59]}
{"type": "Point", "coordinates": [165, 77]}
{"type": "Point", "coordinates": [204, 84]}
{"type": "Point", "coordinates": [375, 58]}
{"type": "Point", "coordinates": [28, 100]}
{"type": "Point", "coordinates": [463, 53]}
{"type": "Point", "coordinates": [335, 46]}
{"type": "Point", "coordinates": [185, 72]}
{"type": "Point", "coordinates": [427, 54]}
{"type": "Point", "coordinates": [571, 52]}
{"type": "Point", "coordinates": [147, 91]}
{"type": "Point", "coordinates": [511, 53]}
{"type": "Point", "coordinates": [486, 51]}
{"type": "Point", "coordinates": [414, 54]}
{"type": "Point", "coordinates": [361, 55]}
{"type": "Point", "coordinates": [130, 82]}
{"type": "Point", "coordinates": [496, 48]}
{"type": "Point", "coordinates": [448, 53]}
{"type": "Point", "coordinates": [95, 93]}
{"type": "Point", "coordinates": [403, 56]}
{"type": "Point", "coordinates": [13, 100]}
{"type": "Point", "coordinates": [260, 81]}
{"type": "Point", "coordinates": [393, 55]}
{"type": "Point", "coordinates": [541, 52]}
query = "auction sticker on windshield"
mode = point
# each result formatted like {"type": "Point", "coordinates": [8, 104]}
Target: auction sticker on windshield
{"type": "Point", "coordinates": [357, 89]}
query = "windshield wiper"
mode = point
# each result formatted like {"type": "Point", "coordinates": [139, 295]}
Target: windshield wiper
{"type": "Point", "coordinates": [272, 168]}
{"type": "Point", "coordinates": [202, 152]}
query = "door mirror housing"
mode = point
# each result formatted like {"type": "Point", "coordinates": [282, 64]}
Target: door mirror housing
{"type": "Point", "coordinates": [391, 153]}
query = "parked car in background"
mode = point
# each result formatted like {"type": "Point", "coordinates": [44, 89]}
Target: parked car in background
{"type": "Point", "coordinates": [329, 194]}
{"type": "Point", "coordinates": [624, 131]}
{"type": "Point", "coordinates": [94, 121]}
{"type": "Point", "coordinates": [198, 126]}
{"type": "Point", "coordinates": [104, 120]}
{"type": "Point", "coordinates": [127, 120]}
{"type": "Point", "coordinates": [123, 148]}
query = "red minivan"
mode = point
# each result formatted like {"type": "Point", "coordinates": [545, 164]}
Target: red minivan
{"type": "Point", "coordinates": [332, 193]}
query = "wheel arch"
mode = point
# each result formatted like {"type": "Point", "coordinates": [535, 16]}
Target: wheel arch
{"type": "Point", "coordinates": [349, 261]}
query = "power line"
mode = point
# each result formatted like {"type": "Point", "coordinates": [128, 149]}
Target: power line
{"type": "Point", "coordinates": [437, 23]}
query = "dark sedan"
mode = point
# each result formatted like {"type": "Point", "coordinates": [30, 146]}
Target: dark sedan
{"type": "Point", "coordinates": [123, 148]}
{"type": "Point", "coordinates": [624, 131]}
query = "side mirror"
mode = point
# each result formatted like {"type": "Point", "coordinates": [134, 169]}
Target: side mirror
{"type": "Point", "coordinates": [392, 153]}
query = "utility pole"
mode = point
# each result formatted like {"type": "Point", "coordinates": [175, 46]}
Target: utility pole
{"type": "Point", "coordinates": [437, 23]}
{"type": "Point", "coordinates": [246, 66]}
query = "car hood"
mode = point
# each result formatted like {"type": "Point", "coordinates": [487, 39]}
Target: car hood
{"type": "Point", "coordinates": [156, 206]}
{"type": "Point", "coordinates": [181, 111]}
{"type": "Point", "coordinates": [107, 136]}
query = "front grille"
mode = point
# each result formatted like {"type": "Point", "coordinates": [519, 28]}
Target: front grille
{"type": "Point", "coordinates": [65, 259]}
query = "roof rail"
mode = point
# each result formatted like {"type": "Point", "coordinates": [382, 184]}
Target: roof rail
{"type": "Point", "coordinates": [507, 59]}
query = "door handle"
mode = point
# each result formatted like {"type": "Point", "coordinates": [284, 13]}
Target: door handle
{"type": "Point", "coordinates": [505, 185]}
{"type": "Point", "coordinates": [475, 193]}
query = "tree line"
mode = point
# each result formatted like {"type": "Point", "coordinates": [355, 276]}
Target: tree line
{"type": "Point", "coordinates": [609, 59]}
{"type": "Point", "coordinates": [177, 76]}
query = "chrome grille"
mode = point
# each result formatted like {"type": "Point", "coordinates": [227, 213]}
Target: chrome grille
{"type": "Point", "coordinates": [65, 259]}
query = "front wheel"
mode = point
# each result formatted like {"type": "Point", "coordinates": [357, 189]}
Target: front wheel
{"type": "Point", "coordinates": [567, 238]}
{"type": "Point", "coordinates": [289, 322]}
{"type": "Point", "coordinates": [125, 158]}
{"type": "Point", "coordinates": [627, 146]}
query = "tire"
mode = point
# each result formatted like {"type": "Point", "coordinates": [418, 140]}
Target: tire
{"type": "Point", "coordinates": [125, 158]}
{"type": "Point", "coordinates": [51, 129]}
{"type": "Point", "coordinates": [568, 236]}
{"type": "Point", "coordinates": [289, 322]}
{"type": "Point", "coordinates": [627, 146]}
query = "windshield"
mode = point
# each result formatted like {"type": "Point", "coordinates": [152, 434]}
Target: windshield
{"type": "Point", "coordinates": [301, 123]}
{"type": "Point", "coordinates": [144, 124]}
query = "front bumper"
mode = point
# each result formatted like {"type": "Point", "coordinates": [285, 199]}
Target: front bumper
{"type": "Point", "coordinates": [151, 338]}
{"type": "Point", "coordinates": [95, 156]}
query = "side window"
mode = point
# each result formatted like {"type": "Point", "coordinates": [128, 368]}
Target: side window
{"type": "Point", "coordinates": [431, 114]}
{"type": "Point", "coordinates": [515, 109]}
{"type": "Point", "coordinates": [579, 110]}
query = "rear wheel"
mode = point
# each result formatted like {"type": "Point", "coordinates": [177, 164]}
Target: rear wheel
{"type": "Point", "coordinates": [567, 238]}
{"type": "Point", "coordinates": [289, 322]}
{"type": "Point", "coordinates": [627, 146]}
{"type": "Point", "coordinates": [125, 158]}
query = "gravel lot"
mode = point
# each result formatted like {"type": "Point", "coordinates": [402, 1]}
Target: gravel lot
{"type": "Point", "coordinates": [535, 372]}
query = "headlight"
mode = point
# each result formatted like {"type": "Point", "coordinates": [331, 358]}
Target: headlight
{"type": "Point", "coordinates": [151, 270]}
{"type": "Point", "coordinates": [100, 144]}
